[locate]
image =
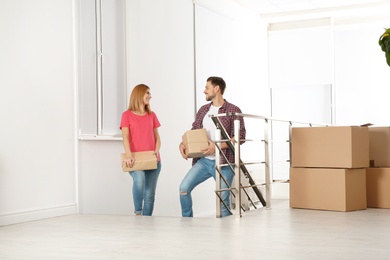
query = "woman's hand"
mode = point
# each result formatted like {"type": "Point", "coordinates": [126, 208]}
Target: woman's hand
{"type": "Point", "coordinates": [129, 160]}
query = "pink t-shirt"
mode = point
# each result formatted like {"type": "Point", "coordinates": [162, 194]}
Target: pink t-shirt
{"type": "Point", "coordinates": [141, 130]}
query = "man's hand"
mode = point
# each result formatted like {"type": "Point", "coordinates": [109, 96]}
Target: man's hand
{"type": "Point", "coordinates": [210, 150]}
{"type": "Point", "coordinates": [182, 149]}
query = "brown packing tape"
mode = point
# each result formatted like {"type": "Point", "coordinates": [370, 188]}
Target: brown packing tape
{"type": "Point", "coordinates": [143, 161]}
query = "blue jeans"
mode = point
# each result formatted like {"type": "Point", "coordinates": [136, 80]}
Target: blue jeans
{"type": "Point", "coordinates": [144, 190]}
{"type": "Point", "coordinates": [201, 171]}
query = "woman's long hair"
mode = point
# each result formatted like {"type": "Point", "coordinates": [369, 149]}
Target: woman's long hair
{"type": "Point", "coordinates": [137, 99]}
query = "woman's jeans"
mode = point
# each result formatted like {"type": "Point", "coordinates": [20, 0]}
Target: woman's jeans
{"type": "Point", "coordinates": [201, 171]}
{"type": "Point", "coordinates": [144, 190]}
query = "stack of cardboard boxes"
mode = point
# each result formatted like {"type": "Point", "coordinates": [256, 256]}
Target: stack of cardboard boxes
{"type": "Point", "coordinates": [328, 167]}
{"type": "Point", "coordinates": [339, 168]}
{"type": "Point", "coordinates": [378, 175]}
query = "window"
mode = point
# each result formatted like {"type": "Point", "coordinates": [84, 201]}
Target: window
{"type": "Point", "coordinates": [102, 67]}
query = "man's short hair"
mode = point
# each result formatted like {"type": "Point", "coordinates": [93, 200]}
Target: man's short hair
{"type": "Point", "coordinates": [218, 81]}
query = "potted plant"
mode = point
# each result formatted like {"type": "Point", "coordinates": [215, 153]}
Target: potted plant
{"type": "Point", "coordinates": [384, 42]}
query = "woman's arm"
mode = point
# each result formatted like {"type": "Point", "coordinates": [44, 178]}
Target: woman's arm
{"type": "Point", "coordinates": [158, 141]}
{"type": "Point", "coordinates": [129, 159]}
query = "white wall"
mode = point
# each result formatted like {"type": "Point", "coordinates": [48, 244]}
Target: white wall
{"type": "Point", "coordinates": [352, 61]}
{"type": "Point", "coordinates": [361, 74]}
{"type": "Point", "coordinates": [37, 147]}
{"type": "Point", "coordinates": [228, 33]}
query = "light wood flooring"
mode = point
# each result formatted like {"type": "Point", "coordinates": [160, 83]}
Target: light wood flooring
{"type": "Point", "coordinates": [276, 233]}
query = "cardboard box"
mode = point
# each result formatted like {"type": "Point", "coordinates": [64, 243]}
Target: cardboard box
{"type": "Point", "coordinates": [379, 143]}
{"type": "Point", "coordinates": [378, 187]}
{"type": "Point", "coordinates": [328, 189]}
{"type": "Point", "coordinates": [143, 161]}
{"type": "Point", "coordinates": [195, 141]}
{"type": "Point", "coordinates": [330, 147]}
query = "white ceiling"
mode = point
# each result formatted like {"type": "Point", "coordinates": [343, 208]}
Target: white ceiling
{"type": "Point", "coordinates": [280, 7]}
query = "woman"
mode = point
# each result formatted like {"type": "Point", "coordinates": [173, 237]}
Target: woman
{"type": "Point", "coordinates": [139, 127]}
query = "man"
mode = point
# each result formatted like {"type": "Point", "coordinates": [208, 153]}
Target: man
{"type": "Point", "coordinates": [204, 168]}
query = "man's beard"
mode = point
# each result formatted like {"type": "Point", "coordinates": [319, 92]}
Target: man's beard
{"type": "Point", "coordinates": [209, 98]}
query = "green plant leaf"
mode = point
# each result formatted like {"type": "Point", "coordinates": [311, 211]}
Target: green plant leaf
{"type": "Point", "coordinates": [383, 39]}
{"type": "Point", "coordinates": [384, 42]}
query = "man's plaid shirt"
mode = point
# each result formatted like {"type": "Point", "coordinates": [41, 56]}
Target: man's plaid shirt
{"type": "Point", "coordinates": [227, 122]}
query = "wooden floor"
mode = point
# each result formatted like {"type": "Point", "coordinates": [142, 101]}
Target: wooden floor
{"type": "Point", "coordinates": [276, 233]}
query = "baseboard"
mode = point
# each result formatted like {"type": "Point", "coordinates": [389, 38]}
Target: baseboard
{"type": "Point", "coordinates": [37, 214]}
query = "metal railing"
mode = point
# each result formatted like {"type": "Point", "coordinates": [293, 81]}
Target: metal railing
{"type": "Point", "coordinates": [239, 167]}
